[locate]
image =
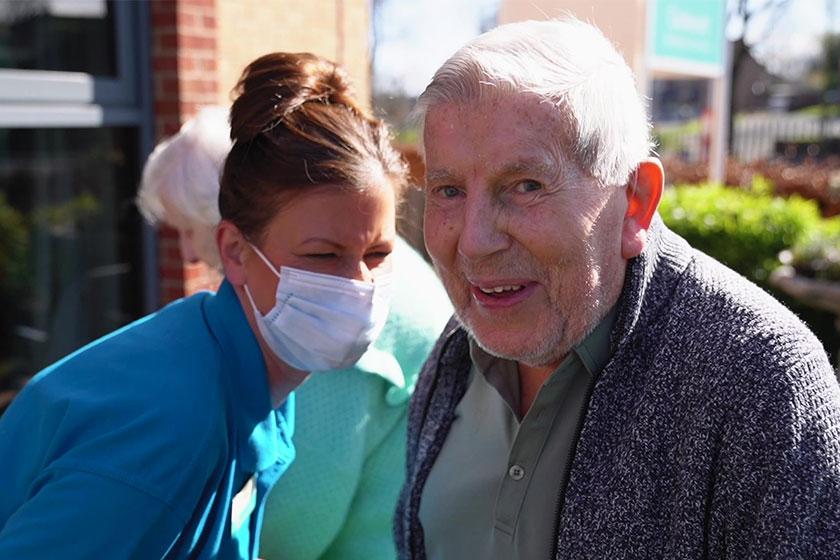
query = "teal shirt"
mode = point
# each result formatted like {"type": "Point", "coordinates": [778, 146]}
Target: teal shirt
{"type": "Point", "coordinates": [155, 441]}
{"type": "Point", "coordinates": [337, 500]}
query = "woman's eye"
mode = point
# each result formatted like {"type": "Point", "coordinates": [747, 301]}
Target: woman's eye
{"type": "Point", "coordinates": [379, 255]}
{"type": "Point", "coordinates": [322, 255]}
{"type": "Point", "coordinates": [527, 187]}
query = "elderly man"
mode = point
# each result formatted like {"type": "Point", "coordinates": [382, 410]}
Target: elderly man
{"type": "Point", "coordinates": [606, 391]}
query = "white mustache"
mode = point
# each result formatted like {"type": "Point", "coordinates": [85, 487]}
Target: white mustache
{"type": "Point", "coordinates": [501, 269]}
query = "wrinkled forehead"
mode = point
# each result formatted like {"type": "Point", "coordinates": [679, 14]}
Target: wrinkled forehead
{"type": "Point", "coordinates": [496, 134]}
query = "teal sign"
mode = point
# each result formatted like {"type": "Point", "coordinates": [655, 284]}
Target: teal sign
{"type": "Point", "coordinates": [686, 36]}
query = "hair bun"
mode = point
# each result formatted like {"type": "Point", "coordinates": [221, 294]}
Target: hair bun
{"type": "Point", "coordinates": [275, 85]}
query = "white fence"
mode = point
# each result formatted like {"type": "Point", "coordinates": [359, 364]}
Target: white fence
{"type": "Point", "coordinates": [754, 138]}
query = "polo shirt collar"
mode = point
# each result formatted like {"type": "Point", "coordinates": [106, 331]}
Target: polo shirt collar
{"type": "Point", "coordinates": [264, 433]}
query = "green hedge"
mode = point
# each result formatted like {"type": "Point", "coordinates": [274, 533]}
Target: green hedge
{"type": "Point", "coordinates": [743, 229]}
{"type": "Point", "coordinates": [746, 230]}
{"type": "Point", "coordinates": [817, 254]}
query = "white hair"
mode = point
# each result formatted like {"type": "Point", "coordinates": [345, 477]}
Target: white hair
{"type": "Point", "coordinates": [569, 64]}
{"type": "Point", "coordinates": [185, 170]}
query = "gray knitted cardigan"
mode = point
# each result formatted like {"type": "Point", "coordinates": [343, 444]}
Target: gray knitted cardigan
{"type": "Point", "coordinates": [713, 432]}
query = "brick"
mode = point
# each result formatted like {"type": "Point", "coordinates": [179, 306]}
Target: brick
{"type": "Point", "coordinates": [249, 28]}
{"type": "Point", "coordinates": [199, 86]}
{"type": "Point", "coordinates": [170, 128]}
{"type": "Point", "coordinates": [194, 42]}
{"type": "Point", "coordinates": [159, 7]}
{"type": "Point", "coordinates": [194, 23]}
{"type": "Point", "coordinates": [162, 63]}
{"type": "Point", "coordinates": [207, 65]}
{"type": "Point", "coordinates": [170, 86]}
{"type": "Point", "coordinates": [170, 284]}
{"type": "Point", "coordinates": [188, 108]}
{"type": "Point", "coordinates": [186, 20]}
{"type": "Point", "coordinates": [160, 75]}
{"type": "Point", "coordinates": [170, 294]}
{"type": "Point", "coordinates": [171, 272]}
{"type": "Point", "coordinates": [186, 63]}
{"type": "Point", "coordinates": [167, 106]}
{"type": "Point", "coordinates": [163, 14]}
{"type": "Point", "coordinates": [166, 40]}
{"type": "Point", "coordinates": [165, 29]}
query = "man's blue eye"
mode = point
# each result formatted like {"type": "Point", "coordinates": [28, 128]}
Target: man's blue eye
{"type": "Point", "coordinates": [449, 192]}
{"type": "Point", "coordinates": [528, 187]}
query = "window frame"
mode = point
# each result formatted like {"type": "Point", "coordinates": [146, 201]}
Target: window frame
{"type": "Point", "coordinates": [53, 99]}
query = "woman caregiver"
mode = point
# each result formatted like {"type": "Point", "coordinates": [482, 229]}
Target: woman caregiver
{"type": "Point", "coordinates": [163, 438]}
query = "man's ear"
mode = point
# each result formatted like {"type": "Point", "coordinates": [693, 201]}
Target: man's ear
{"type": "Point", "coordinates": [232, 247]}
{"type": "Point", "coordinates": [643, 193]}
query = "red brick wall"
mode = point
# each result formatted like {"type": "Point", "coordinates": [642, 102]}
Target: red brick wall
{"type": "Point", "coordinates": [199, 48]}
{"type": "Point", "coordinates": [184, 68]}
{"type": "Point", "coordinates": [336, 29]}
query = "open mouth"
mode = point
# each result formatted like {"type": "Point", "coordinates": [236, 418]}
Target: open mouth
{"type": "Point", "coordinates": [498, 295]}
{"type": "Point", "coordinates": [502, 290]}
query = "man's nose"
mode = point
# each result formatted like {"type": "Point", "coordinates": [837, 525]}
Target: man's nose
{"type": "Point", "coordinates": [481, 235]}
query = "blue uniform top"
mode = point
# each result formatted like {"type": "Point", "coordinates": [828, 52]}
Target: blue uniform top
{"type": "Point", "coordinates": [158, 440]}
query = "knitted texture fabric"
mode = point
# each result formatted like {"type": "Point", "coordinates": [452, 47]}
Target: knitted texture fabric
{"type": "Point", "coordinates": [713, 432]}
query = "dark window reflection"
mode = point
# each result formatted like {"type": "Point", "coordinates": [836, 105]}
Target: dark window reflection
{"type": "Point", "coordinates": [61, 35]}
{"type": "Point", "coordinates": [70, 267]}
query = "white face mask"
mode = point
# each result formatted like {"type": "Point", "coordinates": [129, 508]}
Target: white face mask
{"type": "Point", "coordinates": [321, 322]}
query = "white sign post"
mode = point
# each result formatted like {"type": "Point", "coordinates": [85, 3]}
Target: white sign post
{"type": "Point", "coordinates": [686, 38]}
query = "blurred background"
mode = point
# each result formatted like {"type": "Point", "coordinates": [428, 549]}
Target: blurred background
{"type": "Point", "coordinates": [744, 97]}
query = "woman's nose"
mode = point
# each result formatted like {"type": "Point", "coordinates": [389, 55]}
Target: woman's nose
{"type": "Point", "coordinates": [361, 272]}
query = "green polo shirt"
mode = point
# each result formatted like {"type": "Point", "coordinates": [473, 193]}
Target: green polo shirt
{"type": "Point", "coordinates": [493, 491]}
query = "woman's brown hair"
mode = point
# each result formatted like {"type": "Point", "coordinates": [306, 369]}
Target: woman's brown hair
{"type": "Point", "coordinates": [296, 125]}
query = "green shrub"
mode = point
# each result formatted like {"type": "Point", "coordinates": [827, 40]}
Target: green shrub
{"type": "Point", "coordinates": [14, 247]}
{"type": "Point", "coordinates": [746, 230]}
{"type": "Point", "coordinates": [817, 254]}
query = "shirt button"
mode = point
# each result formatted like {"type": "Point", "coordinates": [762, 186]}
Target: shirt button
{"type": "Point", "coordinates": [516, 472]}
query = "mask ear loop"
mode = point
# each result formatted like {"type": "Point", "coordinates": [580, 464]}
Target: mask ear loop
{"type": "Point", "coordinates": [270, 267]}
{"type": "Point", "coordinates": [251, 299]}
{"type": "Point", "coordinates": [264, 259]}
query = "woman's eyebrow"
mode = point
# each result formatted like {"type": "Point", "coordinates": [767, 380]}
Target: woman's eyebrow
{"type": "Point", "coordinates": [322, 240]}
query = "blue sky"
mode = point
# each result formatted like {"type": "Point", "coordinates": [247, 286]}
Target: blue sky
{"type": "Point", "coordinates": [797, 33]}
{"type": "Point", "coordinates": [416, 37]}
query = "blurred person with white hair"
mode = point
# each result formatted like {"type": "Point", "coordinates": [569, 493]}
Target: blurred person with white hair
{"type": "Point", "coordinates": [180, 184]}
{"type": "Point", "coordinates": [605, 390]}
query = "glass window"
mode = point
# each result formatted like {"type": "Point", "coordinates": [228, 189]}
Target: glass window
{"type": "Point", "coordinates": [70, 239]}
{"type": "Point", "coordinates": [59, 35]}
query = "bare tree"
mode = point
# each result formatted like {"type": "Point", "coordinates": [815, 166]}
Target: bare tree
{"type": "Point", "coordinates": [745, 12]}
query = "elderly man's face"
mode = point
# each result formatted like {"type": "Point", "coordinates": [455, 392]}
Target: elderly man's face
{"type": "Point", "coordinates": [527, 245]}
